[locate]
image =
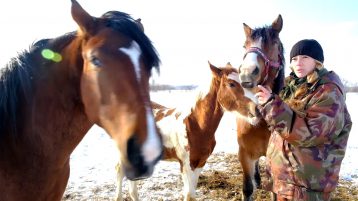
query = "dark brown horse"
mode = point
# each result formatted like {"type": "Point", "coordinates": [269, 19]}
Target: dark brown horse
{"type": "Point", "coordinates": [52, 94]}
{"type": "Point", "coordinates": [189, 135]}
{"type": "Point", "coordinates": [263, 64]}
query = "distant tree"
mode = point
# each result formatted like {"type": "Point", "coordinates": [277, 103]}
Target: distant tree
{"type": "Point", "coordinates": [349, 86]}
{"type": "Point", "coordinates": [161, 87]}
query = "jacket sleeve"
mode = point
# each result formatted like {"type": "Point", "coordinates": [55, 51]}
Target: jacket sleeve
{"type": "Point", "coordinates": [322, 121]}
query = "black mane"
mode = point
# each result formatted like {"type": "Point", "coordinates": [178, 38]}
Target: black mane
{"type": "Point", "coordinates": [15, 87]}
{"type": "Point", "coordinates": [125, 24]}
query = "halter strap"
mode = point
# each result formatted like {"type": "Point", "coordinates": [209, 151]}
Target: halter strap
{"type": "Point", "coordinates": [268, 63]}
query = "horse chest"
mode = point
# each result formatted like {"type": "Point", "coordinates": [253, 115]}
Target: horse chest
{"type": "Point", "coordinates": [34, 183]}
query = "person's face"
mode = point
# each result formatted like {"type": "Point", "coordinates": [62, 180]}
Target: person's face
{"type": "Point", "coordinates": [303, 65]}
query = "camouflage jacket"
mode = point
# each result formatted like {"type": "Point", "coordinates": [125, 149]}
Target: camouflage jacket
{"type": "Point", "coordinates": [309, 139]}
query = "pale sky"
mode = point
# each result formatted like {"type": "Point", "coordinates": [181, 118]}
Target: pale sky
{"type": "Point", "coordinates": [189, 33]}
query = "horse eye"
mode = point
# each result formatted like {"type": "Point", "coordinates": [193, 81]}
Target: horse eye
{"type": "Point", "coordinates": [95, 61]}
{"type": "Point", "coordinates": [256, 71]}
{"type": "Point", "coordinates": [232, 85]}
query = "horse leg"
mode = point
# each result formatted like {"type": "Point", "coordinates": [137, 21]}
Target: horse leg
{"type": "Point", "coordinates": [257, 174]}
{"type": "Point", "coordinates": [248, 168]}
{"type": "Point", "coordinates": [190, 181]}
{"type": "Point", "coordinates": [120, 175]}
{"type": "Point", "coordinates": [133, 190]}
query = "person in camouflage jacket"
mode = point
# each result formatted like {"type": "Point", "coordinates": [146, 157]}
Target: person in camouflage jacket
{"type": "Point", "coordinates": [310, 125]}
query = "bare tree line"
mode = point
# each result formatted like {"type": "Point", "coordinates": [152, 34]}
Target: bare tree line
{"type": "Point", "coordinates": [349, 87]}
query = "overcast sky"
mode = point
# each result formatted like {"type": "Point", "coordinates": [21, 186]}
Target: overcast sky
{"type": "Point", "coordinates": [188, 33]}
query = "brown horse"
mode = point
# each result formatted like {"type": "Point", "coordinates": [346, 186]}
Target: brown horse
{"type": "Point", "coordinates": [263, 64]}
{"type": "Point", "coordinates": [188, 136]}
{"type": "Point", "coordinates": [52, 94]}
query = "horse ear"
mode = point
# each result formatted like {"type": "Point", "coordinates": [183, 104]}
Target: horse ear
{"type": "Point", "coordinates": [228, 64]}
{"type": "Point", "coordinates": [247, 30]}
{"type": "Point", "coordinates": [277, 24]}
{"type": "Point", "coordinates": [139, 23]}
{"type": "Point", "coordinates": [215, 70]}
{"type": "Point", "coordinates": [82, 18]}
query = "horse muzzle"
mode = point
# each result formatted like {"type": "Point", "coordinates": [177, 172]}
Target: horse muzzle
{"type": "Point", "coordinates": [138, 168]}
{"type": "Point", "coordinates": [248, 85]}
{"type": "Point", "coordinates": [247, 81]}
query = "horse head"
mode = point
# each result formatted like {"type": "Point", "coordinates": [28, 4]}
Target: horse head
{"type": "Point", "coordinates": [117, 62]}
{"type": "Point", "coordinates": [231, 95]}
{"type": "Point", "coordinates": [263, 60]}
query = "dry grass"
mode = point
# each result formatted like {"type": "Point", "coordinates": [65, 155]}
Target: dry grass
{"type": "Point", "coordinates": [221, 180]}
{"type": "Point", "coordinates": [227, 185]}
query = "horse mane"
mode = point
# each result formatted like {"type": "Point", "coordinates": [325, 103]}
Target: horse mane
{"type": "Point", "coordinates": [15, 87]}
{"type": "Point", "coordinates": [16, 84]}
{"type": "Point", "coordinates": [267, 34]}
{"type": "Point", "coordinates": [125, 24]}
{"type": "Point", "coordinates": [280, 79]}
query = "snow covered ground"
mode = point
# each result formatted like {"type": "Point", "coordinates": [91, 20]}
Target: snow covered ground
{"type": "Point", "coordinates": [93, 161]}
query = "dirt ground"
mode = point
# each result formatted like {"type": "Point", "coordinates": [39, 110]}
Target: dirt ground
{"type": "Point", "coordinates": [221, 180]}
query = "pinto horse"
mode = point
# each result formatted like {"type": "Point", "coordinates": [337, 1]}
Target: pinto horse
{"type": "Point", "coordinates": [188, 136]}
{"type": "Point", "coordinates": [52, 94]}
{"type": "Point", "coordinates": [263, 64]}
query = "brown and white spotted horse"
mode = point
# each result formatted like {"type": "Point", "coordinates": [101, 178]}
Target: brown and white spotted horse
{"type": "Point", "coordinates": [188, 136]}
{"type": "Point", "coordinates": [263, 64]}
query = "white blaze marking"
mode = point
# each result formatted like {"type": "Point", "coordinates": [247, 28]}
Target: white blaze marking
{"type": "Point", "coordinates": [250, 61]}
{"type": "Point", "coordinates": [234, 76]}
{"type": "Point", "coordinates": [134, 53]}
{"type": "Point", "coordinates": [152, 147]}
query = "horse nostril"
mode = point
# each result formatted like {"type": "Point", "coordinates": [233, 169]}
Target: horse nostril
{"type": "Point", "coordinates": [135, 157]}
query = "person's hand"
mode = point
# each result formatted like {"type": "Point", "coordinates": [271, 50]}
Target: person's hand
{"type": "Point", "coordinates": [264, 95]}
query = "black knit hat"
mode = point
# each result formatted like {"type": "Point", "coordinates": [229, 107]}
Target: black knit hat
{"type": "Point", "coordinates": [309, 47]}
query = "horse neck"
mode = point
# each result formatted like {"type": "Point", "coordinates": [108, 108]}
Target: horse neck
{"type": "Point", "coordinates": [57, 101]}
{"type": "Point", "coordinates": [275, 80]}
{"type": "Point", "coordinates": [207, 112]}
